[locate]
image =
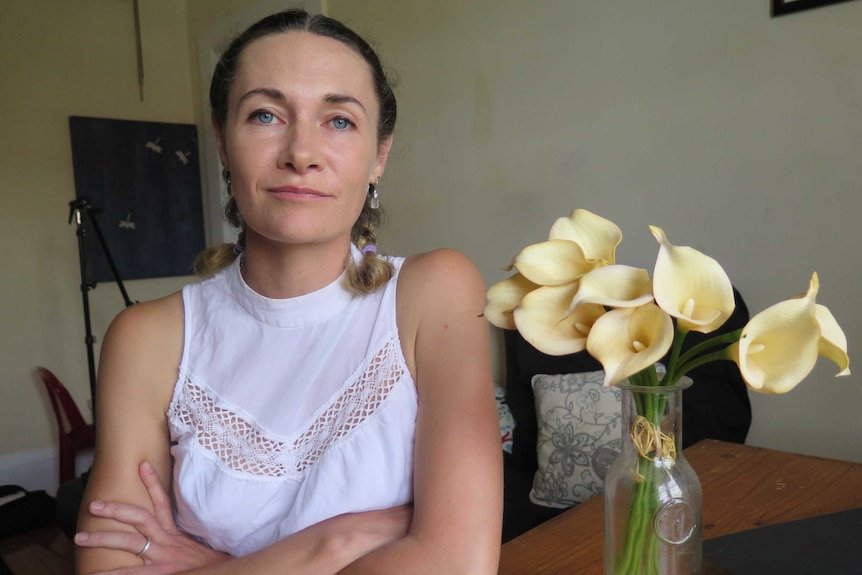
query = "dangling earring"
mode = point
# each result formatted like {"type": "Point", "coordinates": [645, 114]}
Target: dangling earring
{"type": "Point", "coordinates": [374, 202]}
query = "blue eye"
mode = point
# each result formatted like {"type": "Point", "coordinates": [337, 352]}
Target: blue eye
{"type": "Point", "coordinates": [341, 123]}
{"type": "Point", "coordinates": [264, 117]}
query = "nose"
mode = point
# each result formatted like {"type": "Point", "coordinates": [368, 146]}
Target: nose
{"type": "Point", "coordinates": [301, 150]}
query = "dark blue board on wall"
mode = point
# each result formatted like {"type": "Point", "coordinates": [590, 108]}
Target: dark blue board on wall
{"type": "Point", "coordinates": [144, 179]}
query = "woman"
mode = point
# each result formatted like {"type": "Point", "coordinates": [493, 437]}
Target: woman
{"type": "Point", "coordinates": [327, 410]}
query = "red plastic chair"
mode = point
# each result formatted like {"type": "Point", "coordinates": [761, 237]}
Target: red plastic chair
{"type": "Point", "coordinates": [75, 433]}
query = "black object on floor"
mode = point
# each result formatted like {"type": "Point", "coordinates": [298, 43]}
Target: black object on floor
{"type": "Point", "coordinates": [824, 545]}
{"type": "Point", "coordinates": [69, 497]}
{"type": "Point", "coordinates": [23, 510]}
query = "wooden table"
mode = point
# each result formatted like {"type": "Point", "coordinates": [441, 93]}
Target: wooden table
{"type": "Point", "coordinates": [743, 487]}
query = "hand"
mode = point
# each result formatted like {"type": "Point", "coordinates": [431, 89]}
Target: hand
{"type": "Point", "coordinates": [170, 550]}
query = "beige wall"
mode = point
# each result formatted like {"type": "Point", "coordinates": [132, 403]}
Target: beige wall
{"type": "Point", "coordinates": [737, 133]}
{"type": "Point", "coordinates": [57, 59]}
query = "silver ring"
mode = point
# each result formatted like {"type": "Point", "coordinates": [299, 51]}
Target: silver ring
{"type": "Point", "coordinates": [145, 549]}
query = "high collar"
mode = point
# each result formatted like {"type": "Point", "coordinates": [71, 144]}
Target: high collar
{"type": "Point", "coordinates": [304, 310]}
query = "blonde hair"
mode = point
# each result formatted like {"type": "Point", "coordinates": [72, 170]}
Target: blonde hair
{"type": "Point", "coordinates": [372, 271]}
{"type": "Point", "coordinates": [364, 277]}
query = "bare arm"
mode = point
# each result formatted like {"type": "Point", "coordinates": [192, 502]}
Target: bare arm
{"type": "Point", "coordinates": [137, 370]}
{"type": "Point", "coordinates": [458, 485]}
{"type": "Point", "coordinates": [322, 548]}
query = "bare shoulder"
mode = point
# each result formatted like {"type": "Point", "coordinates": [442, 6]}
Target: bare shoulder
{"type": "Point", "coordinates": [441, 275]}
{"type": "Point", "coordinates": [156, 318]}
{"type": "Point", "coordinates": [146, 338]}
{"type": "Point", "coordinates": [440, 294]}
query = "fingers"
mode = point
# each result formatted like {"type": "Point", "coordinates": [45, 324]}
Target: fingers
{"type": "Point", "coordinates": [119, 540]}
{"type": "Point", "coordinates": [158, 495]}
{"type": "Point", "coordinates": [138, 517]}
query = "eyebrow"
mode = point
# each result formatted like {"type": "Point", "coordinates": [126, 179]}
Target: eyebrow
{"type": "Point", "coordinates": [343, 99]}
{"type": "Point", "coordinates": [276, 94]}
{"type": "Point", "coordinates": [268, 92]}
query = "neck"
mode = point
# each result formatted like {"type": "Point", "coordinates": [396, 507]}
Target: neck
{"type": "Point", "coordinates": [276, 270]}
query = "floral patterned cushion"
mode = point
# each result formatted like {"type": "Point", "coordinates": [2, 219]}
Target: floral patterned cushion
{"type": "Point", "coordinates": [507, 422]}
{"type": "Point", "coordinates": [579, 423]}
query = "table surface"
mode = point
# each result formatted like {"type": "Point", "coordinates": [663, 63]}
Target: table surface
{"type": "Point", "coordinates": [744, 487]}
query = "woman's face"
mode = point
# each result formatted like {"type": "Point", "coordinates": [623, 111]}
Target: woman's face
{"type": "Point", "coordinates": [300, 140]}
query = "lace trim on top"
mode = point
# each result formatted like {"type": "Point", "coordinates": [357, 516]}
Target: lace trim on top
{"type": "Point", "coordinates": [243, 447]}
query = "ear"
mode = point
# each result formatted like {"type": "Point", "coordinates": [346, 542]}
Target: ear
{"type": "Point", "coordinates": [220, 143]}
{"type": "Point", "coordinates": [382, 156]}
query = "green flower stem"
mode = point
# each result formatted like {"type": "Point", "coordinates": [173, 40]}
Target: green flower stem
{"type": "Point", "coordinates": [679, 365]}
{"type": "Point", "coordinates": [637, 527]}
{"type": "Point", "coordinates": [639, 405]}
{"type": "Point", "coordinates": [697, 362]}
{"type": "Point", "coordinates": [678, 337]}
{"type": "Point", "coordinates": [639, 555]}
{"type": "Point", "coordinates": [634, 528]}
{"type": "Point", "coordinates": [700, 348]}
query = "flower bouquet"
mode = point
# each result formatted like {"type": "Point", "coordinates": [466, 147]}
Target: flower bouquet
{"type": "Point", "coordinates": [568, 294]}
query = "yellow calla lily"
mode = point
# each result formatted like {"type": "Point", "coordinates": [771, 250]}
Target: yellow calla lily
{"type": "Point", "coordinates": [779, 346]}
{"type": "Point", "coordinates": [614, 286]}
{"type": "Point", "coordinates": [552, 263]}
{"type": "Point", "coordinates": [597, 236]}
{"type": "Point", "coordinates": [543, 320]}
{"type": "Point", "coordinates": [504, 297]}
{"type": "Point", "coordinates": [833, 342]}
{"type": "Point", "coordinates": [560, 297]}
{"type": "Point", "coordinates": [627, 340]}
{"type": "Point", "coordinates": [691, 286]}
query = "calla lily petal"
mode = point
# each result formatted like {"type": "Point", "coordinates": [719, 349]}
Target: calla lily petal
{"type": "Point", "coordinates": [627, 340]}
{"type": "Point", "coordinates": [543, 320]}
{"type": "Point", "coordinates": [691, 286]}
{"type": "Point", "coordinates": [504, 297]}
{"type": "Point", "coordinates": [597, 236]}
{"type": "Point", "coordinates": [552, 263]}
{"type": "Point", "coordinates": [833, 342]}
{"type": "Point", "coordinates": [614, 286]}
{"type": "Point", "coordinates": [779, 346]}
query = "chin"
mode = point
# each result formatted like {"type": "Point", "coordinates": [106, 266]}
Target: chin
{"type": "Point", "coordinates": [302, 235]}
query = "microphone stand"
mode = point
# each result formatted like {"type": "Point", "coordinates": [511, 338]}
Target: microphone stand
{"type": "Point", "coordinates": [77, 210]}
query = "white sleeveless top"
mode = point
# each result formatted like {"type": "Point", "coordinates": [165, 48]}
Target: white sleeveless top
{"type": "Point", "coordinates": [288, 412]}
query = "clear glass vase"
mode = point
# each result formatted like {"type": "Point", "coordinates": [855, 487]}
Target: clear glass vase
{"type": "Point", "coordinates": [653, 500]}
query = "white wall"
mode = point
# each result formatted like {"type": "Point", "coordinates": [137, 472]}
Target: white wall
{"type": "Point", "coordinates": [738, 134]}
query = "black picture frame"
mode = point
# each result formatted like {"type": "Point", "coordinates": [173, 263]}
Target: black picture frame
{"type": "Point", "coordinates": [784, 7]}
{"type": "Point", "coordinates": [144, 180]}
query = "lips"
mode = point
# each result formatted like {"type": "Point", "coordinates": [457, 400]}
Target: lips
{"type": "Point", "coordinates": [297, 193]}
